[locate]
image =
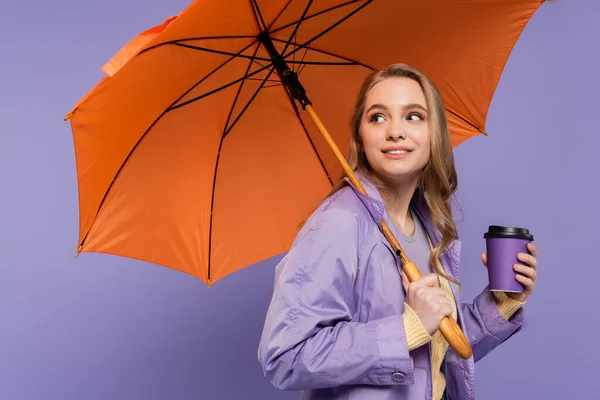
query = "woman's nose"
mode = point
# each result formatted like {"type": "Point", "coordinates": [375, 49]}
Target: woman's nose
{"type": "Point", "coordinates": [396, 133]}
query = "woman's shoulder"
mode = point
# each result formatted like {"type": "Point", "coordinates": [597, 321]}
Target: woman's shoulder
{"type": "Point", "coordinates": [340, 213]}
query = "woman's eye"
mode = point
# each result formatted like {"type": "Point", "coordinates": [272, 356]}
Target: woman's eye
{"type": "Point", "coordinates": [415, 117]}
{"type": "Point", "coordinates": [376, 118]}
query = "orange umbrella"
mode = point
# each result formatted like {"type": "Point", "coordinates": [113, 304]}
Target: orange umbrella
{"type": "Point", "coordinates": [192, 154]}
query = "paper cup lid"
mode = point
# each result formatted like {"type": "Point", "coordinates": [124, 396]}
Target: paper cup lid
{"type": "Point", "coordinates": [496, 231]}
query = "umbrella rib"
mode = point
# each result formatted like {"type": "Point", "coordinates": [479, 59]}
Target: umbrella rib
{"type": "Point", "coordinates": [247, 105]}
{"type": "Point", "coordinates": [317, 14]}
{"type": "Point", "coordinates": [259, 79]}
{"type": "Point", "coordinates": [146, 132]}
{"type": "Point", "coordinates": [295, 106]}
{"type": "Point", "coordinates": [349, 60]}
{"type": "Point", "coordinates": [219, 88]}
{"type": "Point", "coordinates": [217, 164]}
{"type": "Point", "coordinates": [258, 16]}
{"type": "Point", "coordinates": [195, 38]}
{"type": "Point", "coordinates": [225, 53]}
{"type": "Point", "coordinates": [237, 96]}
{"type": "Point", "coordinates": [279, 15]}
{"type": "Point", "coordinates": [308, 42]}
{"type": "Point", "coordinates": [320, 62]}
{"type": "Point", "coordinates": [301, 68]}
{"type": "Point", "coordinates": [212, 200]}
{"type": "Point", "coordinates": [254, 61]}
{"type": "Point", "coordinates": [294, 55]}
{"type": "Point", "coordinates": [465, 121]}
{"type": "Point", "coordinates": [302, 18]}
{"type": "Point", "coordinates": [273, 85]}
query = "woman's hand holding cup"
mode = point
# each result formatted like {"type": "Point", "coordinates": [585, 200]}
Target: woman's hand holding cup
{"type": "Point", "coordinates": [506, 247]}
{"type": "Point", "coordinates": [525, 274]}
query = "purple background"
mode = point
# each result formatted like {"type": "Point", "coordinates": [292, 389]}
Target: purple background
{"type": "Point", "coordinates": [103, 327]}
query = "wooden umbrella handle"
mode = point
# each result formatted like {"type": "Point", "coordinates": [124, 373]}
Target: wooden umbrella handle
{"type": "Point", "coordinates": [449, 327]}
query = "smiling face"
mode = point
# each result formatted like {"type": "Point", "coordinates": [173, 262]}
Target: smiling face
{"type": "Point", "coordinates": [394, 130]}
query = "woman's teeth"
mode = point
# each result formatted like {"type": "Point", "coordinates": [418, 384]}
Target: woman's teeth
{"type": "Point", "coordinates": [396, 152]}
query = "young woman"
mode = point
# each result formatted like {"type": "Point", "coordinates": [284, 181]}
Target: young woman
{"type": "Point", "coordinates": [343, 322]}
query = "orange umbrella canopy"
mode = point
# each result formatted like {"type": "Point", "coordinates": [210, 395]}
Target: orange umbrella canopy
{"type": "Point", "coordinates": [191, 153]}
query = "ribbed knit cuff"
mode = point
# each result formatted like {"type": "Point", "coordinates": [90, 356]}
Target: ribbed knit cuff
{"type": "Point", "coordinates": [506, 305]}
{"type": "Point", "coordinates": [416, 335]}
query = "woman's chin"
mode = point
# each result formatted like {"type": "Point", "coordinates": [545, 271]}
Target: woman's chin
{"type": "Point", "coordinates": [399, 175]}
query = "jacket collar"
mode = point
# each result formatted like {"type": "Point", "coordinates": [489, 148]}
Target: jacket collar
{"type": "Point", "coordinates": [372, 200]}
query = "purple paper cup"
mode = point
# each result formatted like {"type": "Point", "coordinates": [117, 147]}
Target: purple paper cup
{"type": "Point", "coordinates": [503, 244]}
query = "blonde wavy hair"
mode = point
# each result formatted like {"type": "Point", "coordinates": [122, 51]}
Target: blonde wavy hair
{"type": "Point", "coordinates": [438, 181]}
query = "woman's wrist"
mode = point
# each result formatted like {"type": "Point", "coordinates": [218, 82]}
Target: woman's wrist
{"type": "Point", "coordinates": [416, 334]}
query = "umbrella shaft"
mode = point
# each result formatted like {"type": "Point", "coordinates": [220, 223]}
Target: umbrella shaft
{"type": "Point", "coordinates": [288, 77]}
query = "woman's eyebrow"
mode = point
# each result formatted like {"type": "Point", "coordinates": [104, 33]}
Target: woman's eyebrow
{"type": "Point", "coordinates": [415, 105]}
{"type": "Point", "coordinates": [410, 106]}
{"type": "Point", "coordinates": [377, 106]}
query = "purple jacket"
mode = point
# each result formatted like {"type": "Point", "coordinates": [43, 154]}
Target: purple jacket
{"type": "Point", "coordinates": [334, 328]}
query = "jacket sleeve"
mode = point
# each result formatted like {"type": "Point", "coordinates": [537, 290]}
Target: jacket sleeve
{"type": "Point", "coordinates": [309, 339]}
{"type": "Point", "coordinates": [486, 326]}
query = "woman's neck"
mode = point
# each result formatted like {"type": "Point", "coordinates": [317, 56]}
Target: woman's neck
{"type": "Point", "coordinates": [397, 202]}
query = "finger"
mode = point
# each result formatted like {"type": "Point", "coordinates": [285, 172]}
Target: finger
{"type": "Point", "coordinates": [426, 280]}
{"type": "Point", "coordinates": [441, 300]}
{"type": "Point", "coordinates": [432, 298]}
{"type": "Point", "coordinates": [430, 280]}
{"type": "Point", "coordinates": [437, 292]}
{"type": "Point", "coordinates": [532, 249]}
{"type": "Point", "coordinates": [528, 259]}
{"type": "Point", "coordinates": [527, 282]}
{"type": "Point", "coordinates": [405, 281]}
{"type": "Point", "coordinates": [529, 272]}
{"type": "Point", "coordinates": [484, 259]}
{"type": "Point", "coordinates": [446, 310]}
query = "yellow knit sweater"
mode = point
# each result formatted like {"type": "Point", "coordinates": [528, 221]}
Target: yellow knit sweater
{"type": "Point", "coordinates": [417, 336]}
